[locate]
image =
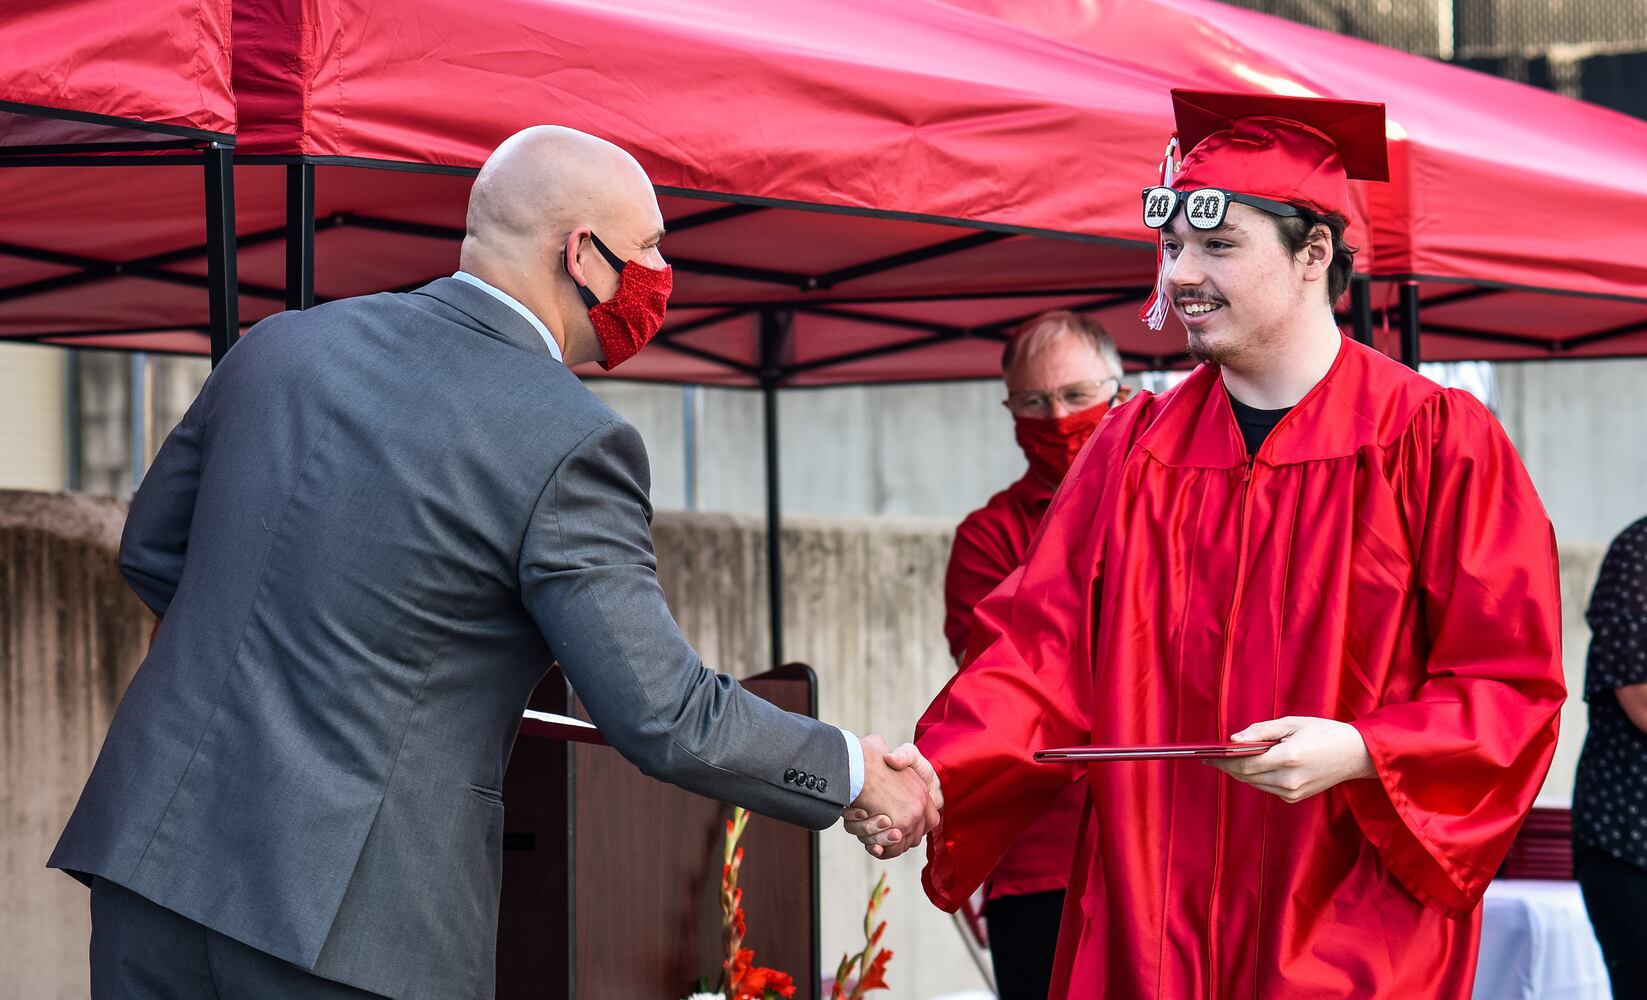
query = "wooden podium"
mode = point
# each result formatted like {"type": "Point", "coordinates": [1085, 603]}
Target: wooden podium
{"type": "Point", "coordinates": [611, 879]}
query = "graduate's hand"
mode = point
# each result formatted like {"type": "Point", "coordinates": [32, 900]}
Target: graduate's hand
{"type": "Point", "coordinates": [1313, 755]}
{"type": "Point", "coordinates": [896, 808]}
{"type": "Point", "coordinates": [877, 833]}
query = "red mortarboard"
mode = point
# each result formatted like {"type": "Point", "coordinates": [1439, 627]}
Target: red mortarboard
{"type": "Point", "coordinates": [1298, 150]}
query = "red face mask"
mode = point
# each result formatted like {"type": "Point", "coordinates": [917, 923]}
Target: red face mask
{"type": "Point", "coordinates": [1051, 443]}
{"type": "Point", "coordinates": [628, 320]}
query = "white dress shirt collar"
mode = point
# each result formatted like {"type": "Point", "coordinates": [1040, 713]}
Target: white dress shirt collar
{"type": "Point", "coordinates": [515, 304]}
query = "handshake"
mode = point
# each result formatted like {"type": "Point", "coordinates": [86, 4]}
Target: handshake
{"type": "Point", "coordinates": [901, 801]}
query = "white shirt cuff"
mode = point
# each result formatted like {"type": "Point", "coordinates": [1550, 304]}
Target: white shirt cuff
{"type": "Point", "coordinates": [855, 766]}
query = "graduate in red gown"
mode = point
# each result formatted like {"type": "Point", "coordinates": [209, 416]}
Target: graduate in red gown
{"type": "Point", "coordinates": [1062, 374]}
{"type": "Point", "coordinates": [1304, 542]}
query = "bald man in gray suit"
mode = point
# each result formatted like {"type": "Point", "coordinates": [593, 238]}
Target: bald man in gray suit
{"type": "Point", "coordinates": [379, 522]}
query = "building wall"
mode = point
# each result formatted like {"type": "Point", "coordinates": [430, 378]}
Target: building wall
{"type": "Point", "coordinates": [900, 451]}
{"type": "Point", "coordinates": [33, 400]}
{"type": "Point", "coordinates": [934, 451]}
{"type": "Point", "coordinates": [1594, 50]}
{"type": "Point", "coordinates": [940, 451]}
{"type": "Point", "coordinates": [109, 382]}
{"type": "Point", "coordinates": [1581, 428]}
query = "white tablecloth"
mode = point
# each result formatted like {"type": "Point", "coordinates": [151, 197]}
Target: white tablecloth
{"type": "Point", "coordinates": [1536, 944]}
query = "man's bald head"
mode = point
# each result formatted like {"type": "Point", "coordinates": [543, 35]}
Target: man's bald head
{"type": "Point", "coordinates": [531, 210]}
{"type": "Point", "coordinates": [546, 180]}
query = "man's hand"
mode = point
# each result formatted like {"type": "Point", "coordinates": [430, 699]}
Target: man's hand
{"type": "Point", "coordinates": [1313, 755]}
{"type": "Point", "coordinates": [876, 829]}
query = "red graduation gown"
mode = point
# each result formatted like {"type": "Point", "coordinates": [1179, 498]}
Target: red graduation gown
{"type": "Point", "coordinates": [989, 544]}
{"type": "Point", "coordinates": [1385, 562]}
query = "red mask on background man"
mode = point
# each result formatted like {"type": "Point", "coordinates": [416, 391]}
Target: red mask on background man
{"type": "Point", "coordinates": [628, 320]}
{"type": "Point", "coordinates": [1051, 443]}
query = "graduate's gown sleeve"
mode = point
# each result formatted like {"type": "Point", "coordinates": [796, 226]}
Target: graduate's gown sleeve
{"type": "Point", "coordinates": [1460, 760]}
{"type": "Point", "coordinates": [1026, 682]}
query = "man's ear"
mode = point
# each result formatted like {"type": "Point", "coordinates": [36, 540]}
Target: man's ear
{"type": "Point", "coordinates": [1317, 253]}
{"type": "Point", "coordinates": [571, 249]}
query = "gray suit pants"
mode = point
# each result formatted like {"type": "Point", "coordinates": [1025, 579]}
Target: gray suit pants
{"type": "Point", "coordinates": [143, 951]}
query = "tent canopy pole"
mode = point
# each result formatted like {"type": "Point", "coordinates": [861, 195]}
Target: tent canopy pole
{"type": "Point", "coordinates": [300, 235]}
{"type": "Point", "coordinates": [1410, 353]}
{"type": "Point", "coordinates": [773, 331]}
{"type": "Point", "coordinates": [222, 278]}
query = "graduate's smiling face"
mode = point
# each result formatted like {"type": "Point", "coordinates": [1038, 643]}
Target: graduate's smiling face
{"type": "Point", "coordinates": [1236, 288]}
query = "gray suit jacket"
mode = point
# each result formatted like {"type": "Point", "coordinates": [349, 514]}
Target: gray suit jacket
{"type": "Point", "coordinates": [372, 532]}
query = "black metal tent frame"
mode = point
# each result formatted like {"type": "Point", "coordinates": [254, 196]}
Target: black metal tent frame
{"type": "Point", "coordinates": [773, 317]}
{"type": "Point", "coordinates": [138, 143]}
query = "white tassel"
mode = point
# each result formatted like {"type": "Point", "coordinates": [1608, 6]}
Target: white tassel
{"type": "Point", "coordinates": [1155, 310]}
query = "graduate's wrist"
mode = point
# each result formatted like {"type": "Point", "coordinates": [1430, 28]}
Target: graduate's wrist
{"type": "Point", "coordinates": [1361, 758]}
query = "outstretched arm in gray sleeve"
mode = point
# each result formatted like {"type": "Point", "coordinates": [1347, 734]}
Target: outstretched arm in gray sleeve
{"type": "Point", "coordinates": [589, 578]}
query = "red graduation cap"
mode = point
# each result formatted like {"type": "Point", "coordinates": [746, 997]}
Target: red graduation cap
{"type": "Point", "coordinates": [1296, 150]}
{"type": "Point", "coordinates": [1300, 150]}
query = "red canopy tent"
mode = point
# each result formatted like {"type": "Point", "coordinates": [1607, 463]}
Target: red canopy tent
{"type": "Point", "coordinates": [856, 192]}
{"type": "Point", "coordinates": [1512, 215]}
{"type": "Point", "coordinates": [165, 85]}
{"type": "Point", "coordinates": [104, 93]}
{"type": "Point", "coordinates": [911, 124]}
{"type": "Point", "coordinates": [888, 186]}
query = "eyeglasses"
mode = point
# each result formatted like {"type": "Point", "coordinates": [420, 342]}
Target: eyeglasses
{"type": "Point", "coordinates": [1205, 208]}
{"type": "Point", "coordinates": [1075, 396]}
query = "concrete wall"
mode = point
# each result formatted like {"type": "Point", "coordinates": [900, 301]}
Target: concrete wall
{"type": "Point", "coordinates": [38, 441]}
{"type": "Point", "coordinates": [934, 451]}
{"type": "Point", "coordinates": [1581, 427]}
{"type": "Point", "coordinates": [906, 451]}
{"type": "Point", "coordinates": [107, 383]}
{"type": "Point", "coordinates": [1580, 562]}
{"type": "Point", "coordinates": [70, 636]}
{"type": "Point", "coordinates": [940, 450]}
{"type": "Point", "coordinates": [863, 606]}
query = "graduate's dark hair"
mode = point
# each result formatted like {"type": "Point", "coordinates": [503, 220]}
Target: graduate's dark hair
{"type": "Point", "coordinates": [1295, 236]}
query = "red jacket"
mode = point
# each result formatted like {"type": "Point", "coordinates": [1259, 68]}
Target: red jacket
{"type": "Point", "coordinates": [990, 544]}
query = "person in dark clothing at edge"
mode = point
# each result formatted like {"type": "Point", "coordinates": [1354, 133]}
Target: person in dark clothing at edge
{"type": "Point", "coordinates": [1610, 795]}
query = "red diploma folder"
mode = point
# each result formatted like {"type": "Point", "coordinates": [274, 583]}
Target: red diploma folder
{"type": "Point", "coordinates": [1153, 751]}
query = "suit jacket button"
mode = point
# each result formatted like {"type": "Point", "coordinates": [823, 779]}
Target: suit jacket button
{"type": "Point", "coordinates": [812, 781]}
{"type": "Point", "coordinates": [823, 784]}
{"type": "Point", "coordinates": [789, 776]}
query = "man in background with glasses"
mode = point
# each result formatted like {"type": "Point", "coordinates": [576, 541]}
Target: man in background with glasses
{"type": "Point", "coordinates": [1063, 373]}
